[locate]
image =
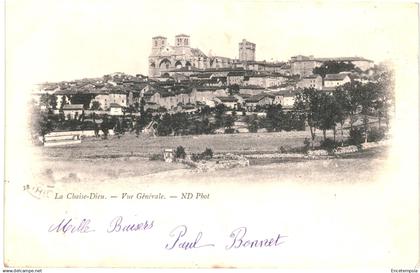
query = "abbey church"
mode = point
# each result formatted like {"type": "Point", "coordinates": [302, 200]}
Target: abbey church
{"type": "Point", "coordinates": [181, 56]}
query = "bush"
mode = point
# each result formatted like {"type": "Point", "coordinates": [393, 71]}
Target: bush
{"type": "Point", "coordinates": [283, 150]}
{"type": "Point", "coordinates": [307, 144]}
{"type": "Point", "coordinates": [180, 152]}
{"type": "Point", "coordinates": [156, 157]}
{"type": "Point", "coordinates": [356, 136]}
{"type": "Point", "coordinates": [376, 134]}
{"type": "Point", "coordinates": [229, 131]}
{"type": "Point", "coordinates": [208, 153]}
{"type": "Point", "coordinates": [196, 157]}
{"type": "Point", "coordinates": [328, 144]}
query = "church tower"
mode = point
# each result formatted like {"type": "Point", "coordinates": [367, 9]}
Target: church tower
{"type": "Point", "coordinates": [246, 51]}
{"type": "Point", "coordinates": [182, 40]}
{"type": "Point", "coordinates": [158, 43]}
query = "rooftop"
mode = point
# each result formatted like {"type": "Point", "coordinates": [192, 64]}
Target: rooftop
{"type": "Point", "coordinates": [257, 98]}
{"type": "Point", "coordinates": [313, 76]}
{"type": "Point", "coordinates": [73, 107]}
{"type": "Point", "coordinates": [335, 77]}
{"type": "Point", "coordinates": [115, 105]}
{"type": "Point", "coordinates": [228, 99]}
{"type": "Point", "coordinates": [236, 73]}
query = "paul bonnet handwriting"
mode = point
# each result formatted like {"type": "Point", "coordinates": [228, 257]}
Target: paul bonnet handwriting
{"type": "Point", "coordinates": [179, 237]}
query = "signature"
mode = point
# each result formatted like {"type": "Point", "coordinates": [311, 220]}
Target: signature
{"type": "Point", "coordinates": [117, 224]}
{"type": "Point", "coordinates": [180, 237]}
{"type": "Point", "coordinates": [238, 239]}
{"type": "Point", "coordinates": [179, 233]}
{"type": "Point", "coordinates": [71, 226]}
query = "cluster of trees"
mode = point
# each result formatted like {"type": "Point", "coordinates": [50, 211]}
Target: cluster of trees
{"type": "Point", "coordinates": [333, 67]}
{"type": "Point", "coordinates": [50, 101]}
{"type": "Point", "coordinates": [350, 102]}
{"type": "Point", "coordinates": [276, 120]}
{"type": "Point", "coordinates": [183, 124]}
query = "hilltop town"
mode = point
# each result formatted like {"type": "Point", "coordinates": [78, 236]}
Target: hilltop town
{"type": "Point", "coordinates": [182, 78]}
{"type": "Point", "coordinates": [189, 92]}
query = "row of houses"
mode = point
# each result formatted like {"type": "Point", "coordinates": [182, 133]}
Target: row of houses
{"type": "Point", "coordinates": [216, 86]}
{"type": "Point", "coordinates": [331, 81]}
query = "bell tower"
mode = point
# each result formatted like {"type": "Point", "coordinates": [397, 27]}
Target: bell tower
{"type": "Point", "coordinates": [182, 40]}
{"type": "Point", "coordinates": [246, 51]}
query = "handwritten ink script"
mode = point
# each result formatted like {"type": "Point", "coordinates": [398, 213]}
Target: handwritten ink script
{"type": "Point", "coordinates": [180, 237]}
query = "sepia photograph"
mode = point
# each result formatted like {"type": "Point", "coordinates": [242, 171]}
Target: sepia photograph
{"type": "Point", "coordinates": [211, 134]}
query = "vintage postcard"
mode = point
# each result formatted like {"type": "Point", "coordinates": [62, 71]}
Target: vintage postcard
{"type": "Point", "coordinates": [211, 134]}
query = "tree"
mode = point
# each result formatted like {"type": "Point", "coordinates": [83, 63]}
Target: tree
{"type": "Point", "coordinates": [385, 93]}
{"type": "Point", "coordinates": [330, 114]}
{"type": "Point", "coordinates": [252, 122]}
{"type": "Point", "coordinates": [164, 127]}
{"type": "Point", "coordinates": [119, 127]}
{"type": "Point", "coordinates": [105, 126]}
{"type": "Point", "coordinates": [341, 101]}
{"type": "Point", "coordinates": [205, 112]}
{"type": "Point", "coordinates": [180, 152]}
{"type": "Point", "coordinates": [275, 117]}
{"type": "Point", "coordinates": [48, 101]}
{"type": "Point", "coordinates": [179, 123]}
{"type": "Point", "coordinates": [233, 89]}
{"type": "Point", "coordinates": [96, 105]}
{"type": "Point", "coordinates": [82, 98]}
{"type": "Point", "coordinates": [366, 96]}
{"type": "Point", "coordinates": [44, 100]}
{"type": "Point", "coordinates": [40, 123]}
{"type": "Point", "coordinates": [220, 110]}
{"type": "Point", "coordinates": [229, 121]}
{"type": "Point", "coordinates": [308, 102]}
{"type": "Point", "coordinates": [53, 101]}
{"type": "Point", "coordinates": [347, 97]}
{"type": "Point", "coordinates": [332, 67]}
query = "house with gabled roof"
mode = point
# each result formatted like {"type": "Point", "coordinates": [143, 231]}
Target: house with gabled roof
{"type": "Point", "coordinates": [229, 101]}
{"type": "Point", "coordinates": [72, 111]}
{"type": "Point", "coordinates": [115, 109]}
{"type": "Point", "coordinates": [334, 80]}
{"type": "Point", "coordinates": [235, 77]}
{"type": "Point", "coordinates": [262, 99]}
{"type": "Point", "coordinates": [310, 81]}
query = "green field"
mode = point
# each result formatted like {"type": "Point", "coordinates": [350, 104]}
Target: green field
{"type": "Point", "coordinates": [144, 146]}
{"type": "Point", "coordinates": [125, 158]}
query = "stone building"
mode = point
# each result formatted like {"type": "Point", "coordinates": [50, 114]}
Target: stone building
{"type": "Point", "coordinates": [246, 51]}
{"type": "Point", "coordinates": [304, 65]}
{"type": "Point", "coordinates": [334, 80]}
{"type": "Point", "coordinates": [165, 58]}
{"type": "Point", "coordinates": [311, 81]}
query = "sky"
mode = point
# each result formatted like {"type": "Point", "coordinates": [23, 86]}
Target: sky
{"type": "Point", "coordinates": [64, 40]}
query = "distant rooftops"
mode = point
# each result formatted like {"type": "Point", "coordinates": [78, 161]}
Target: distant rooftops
{"type": "Point", "coordinates": [236, 73]}
{"type": "Point", "coordinates": [313, 76]}
{"type": "Point", "coordinates": [335, 77]}
{"type": "Point", "coordinates": [258, 97]}
{"type": "Point", "coordinates": [301, 58]}
{"type": "Point", "coordinates": [115, 105]}
{"type": "Point", "coordinates": [73, 107]}
{"type": "Point", "coordinates": [228, 99]}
